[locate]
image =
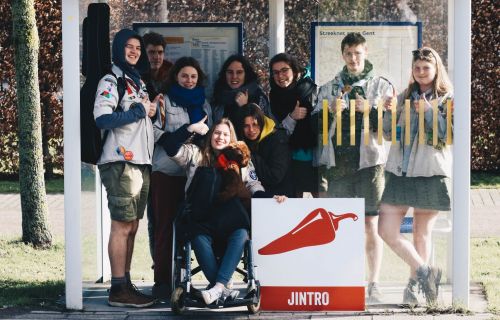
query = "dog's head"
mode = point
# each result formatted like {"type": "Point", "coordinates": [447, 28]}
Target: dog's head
{"type": "Point", "coordinates": [236, 153]}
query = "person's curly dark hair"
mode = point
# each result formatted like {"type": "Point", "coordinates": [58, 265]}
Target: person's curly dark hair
{"type": "Point", "coordinates": [185, 62]}
{"type": "Point", "coordinates": [221, 82]}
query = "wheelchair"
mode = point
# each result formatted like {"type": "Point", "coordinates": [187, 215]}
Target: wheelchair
{"type": "Point", "coordinates": [185, 295]}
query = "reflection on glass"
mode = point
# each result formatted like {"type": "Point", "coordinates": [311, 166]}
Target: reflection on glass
{"type": "Point", "coordinates": [409, 99]}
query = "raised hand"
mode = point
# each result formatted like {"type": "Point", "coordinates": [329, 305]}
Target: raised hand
{"type": "Point", "coordinates": [199, 127]}
{"type": "Point", "coordinates": [147, 105]}
{"type": "Point", "coordinates": [154, 105]}
{"type": "Point", "coordinates": [298, 112]}
{"type": "Point", "coordinates": [360, 103]}
{"type": "Point", "coordinates": [388, 103]}
{"type": "Point", "coordinates": [241, 98]}
{"type": "Point", "coordinates": [427, 104]}
{"type": "Point", "coordinates": [342, 106]}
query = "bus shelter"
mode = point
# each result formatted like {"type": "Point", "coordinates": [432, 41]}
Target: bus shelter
{"type": "Point", "coordinates": [445, 26]}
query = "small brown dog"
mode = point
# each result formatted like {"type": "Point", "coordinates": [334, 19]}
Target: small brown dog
{"type": "Point", "coordinates": [229, 162]}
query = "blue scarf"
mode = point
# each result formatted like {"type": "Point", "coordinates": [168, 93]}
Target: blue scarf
{"type": "Point", "coordinates": [191, 99]}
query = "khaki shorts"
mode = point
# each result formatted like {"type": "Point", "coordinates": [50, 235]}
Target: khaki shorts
{"type": "Point", "coordinates": [127, 186]}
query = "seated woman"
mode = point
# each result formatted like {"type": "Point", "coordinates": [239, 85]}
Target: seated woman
{"type": "Point", "coordinates": [271, 153]}
{"type": "Point", "coordinates": [190, 156]}
{"type": "Point", "coordinates": [237, 85]}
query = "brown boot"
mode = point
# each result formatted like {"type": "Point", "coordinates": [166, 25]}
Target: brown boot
{"type": "Point", "coordinates": [123, 296]}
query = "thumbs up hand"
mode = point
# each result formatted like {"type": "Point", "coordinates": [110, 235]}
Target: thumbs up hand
{"type": "Point", "coordinates": [199, 127]}
{"type": "Point", "coordinates": [427, 104]}
{"type": "Point", "coordinates": [298, 112]}
{"type": "Point", "coordinates": [242, 98]}
{"type": "Point", "coordinates": [359, 106]}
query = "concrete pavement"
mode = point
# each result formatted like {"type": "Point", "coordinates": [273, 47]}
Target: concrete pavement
{"type": "Point", "coordinates": [485, 209]}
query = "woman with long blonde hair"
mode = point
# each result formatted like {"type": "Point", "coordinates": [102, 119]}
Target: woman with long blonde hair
{"type": "Point", "coordinates": [225, 224]}
{"type": "Point", "coordinates": [418, 175]}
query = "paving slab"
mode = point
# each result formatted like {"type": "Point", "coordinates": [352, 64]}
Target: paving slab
{"type": "Point", "coordinates": [485, 210]}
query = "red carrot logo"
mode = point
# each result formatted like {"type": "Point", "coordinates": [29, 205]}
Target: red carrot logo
{"type": "Point", "coordinates": [318, 228]}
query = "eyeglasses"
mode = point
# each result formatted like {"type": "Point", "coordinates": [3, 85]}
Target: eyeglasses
{"type": "Point", "coordinates": [281, 71]}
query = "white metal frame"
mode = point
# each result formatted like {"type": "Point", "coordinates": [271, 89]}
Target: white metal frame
{"type": "Point", "coordinates": [276, 27]}
{"type": "Point", "coordinates": [461, 11]}
{"type": "Point", "coordinates": [72, 163]}
{"type": "Point", "coordinates": [461, 151]}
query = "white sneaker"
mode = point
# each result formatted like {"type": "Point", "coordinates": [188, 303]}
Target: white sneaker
{"type": "Point", "coordinates": [229, 294]}
{"type": "Point", "coordinates": [211, 295]}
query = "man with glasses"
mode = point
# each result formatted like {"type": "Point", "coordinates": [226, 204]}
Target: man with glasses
{"type": "Point", "coordinates": [356, 170]}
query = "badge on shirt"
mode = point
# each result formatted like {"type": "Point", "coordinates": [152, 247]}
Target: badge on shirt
{"type": "Point", "coordinates": [127, 155]}
{"type": "Point", "coordinates": [107, 92]}
{"type": "Point", "coordinates": [253, 174]}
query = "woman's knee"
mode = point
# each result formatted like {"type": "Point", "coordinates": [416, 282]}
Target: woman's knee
{"type": "Point", "coordinates": [240, 236]}
{"type": "Point", "coordinates": [388, 232]}
{"type": "Point", "coordinates": [201, 241]}
{"type": "Point", "coordinates": [420, 238]}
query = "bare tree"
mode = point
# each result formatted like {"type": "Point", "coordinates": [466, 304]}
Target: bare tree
{"type": "Point", "coordinates": [31, 180]}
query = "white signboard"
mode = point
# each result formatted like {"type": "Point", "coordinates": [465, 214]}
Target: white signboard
{"type": "Point", "coordinates": [389, 49]}
{"type": "Point", "coordinates": [309, 253]}
{"type": "Point", "coordinates": [209, 43]}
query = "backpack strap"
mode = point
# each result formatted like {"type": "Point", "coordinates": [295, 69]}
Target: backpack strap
{"type": "Point", "coordinates": [121, 86]}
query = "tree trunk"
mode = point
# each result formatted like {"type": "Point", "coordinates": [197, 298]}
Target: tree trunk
{"type": "Point", "coordinates": [32, 184]}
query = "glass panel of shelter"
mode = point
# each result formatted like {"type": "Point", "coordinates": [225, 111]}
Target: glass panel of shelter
{"type": "Point", "coordinates": [373, 163]}
{"type": "Point", "coordinates": [392, 29]}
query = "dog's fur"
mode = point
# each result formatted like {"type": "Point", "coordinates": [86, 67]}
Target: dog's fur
{"type": "Point", "coordinates": [232, 184]}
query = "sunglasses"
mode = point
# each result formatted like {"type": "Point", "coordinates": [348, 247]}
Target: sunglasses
{"type": "Point", "coordinates": [422, 52]}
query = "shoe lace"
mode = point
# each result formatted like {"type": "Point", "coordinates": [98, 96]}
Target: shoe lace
{"type": "Point", "coordinates": [137, 291]}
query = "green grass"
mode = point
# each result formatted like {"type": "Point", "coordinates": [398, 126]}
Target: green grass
{"type": "Point", "coordinates": [485, 258]}
{"type": "Point", "coordinates": [485, 179]}
{"type": "Point", "coordinates": [35, 278]}
{"type": "Point", "coordinates": [479, 179]}
{"type": "Point", "coordinates": [51, 186]}
{"type": "Point", "coordinates": [30, 277]}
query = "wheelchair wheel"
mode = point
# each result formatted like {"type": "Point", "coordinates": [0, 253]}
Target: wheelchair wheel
{"type": "Point", "coordinates": [177, 301]}
{"type": "Point", "coordinates": [255, 307]}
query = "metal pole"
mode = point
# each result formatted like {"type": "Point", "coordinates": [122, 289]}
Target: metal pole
{"type": "Point", "coordinates": [461, 147]}
{"type": "Point", "coordinates": [276, 27]}
{"type": "Point", "coordinates": [72, 164]}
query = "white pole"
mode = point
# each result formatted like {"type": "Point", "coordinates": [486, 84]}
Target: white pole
{"type": "Point", "coordinates": [276, 27]}
{"type": "Point", "coordinates": [103, 225]}
{"type": "Point", "coordinates": [461, 156]}
{"type": "Point", "coordinates": [72, 164]}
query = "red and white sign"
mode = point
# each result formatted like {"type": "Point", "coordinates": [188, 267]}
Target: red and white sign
{"type": "Point", "coordinates": [309, 253]}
